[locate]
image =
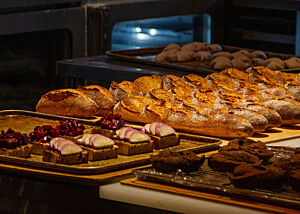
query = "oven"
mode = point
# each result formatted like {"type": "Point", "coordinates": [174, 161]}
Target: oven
{"type": "Point", "coordinates": [34, 34]}
{"type": "Point", "coordinates": [115, 25]}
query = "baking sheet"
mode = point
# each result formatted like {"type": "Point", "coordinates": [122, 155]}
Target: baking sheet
{"type": "Point", "coordinates": [25, 121]}
{"type": "Point", "coordinates": [147, 56]}
{"type": "Point", "coordinates": [206, 179]}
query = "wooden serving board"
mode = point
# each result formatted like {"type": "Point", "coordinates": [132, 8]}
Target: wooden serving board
{"type": "Point", "coordinates": [25, 121]}
{"type": "Point", "coordinates": [208, 196]}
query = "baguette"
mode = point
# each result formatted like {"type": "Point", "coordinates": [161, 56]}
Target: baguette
{"type": "Point", "coordinates": [121, 90]}
{"type": "Point", "coordinates": [101, 96]}
{"type": "Point", "coordinates": [221, 125]}
{"type": "Point", "coordinates": [67, 102]}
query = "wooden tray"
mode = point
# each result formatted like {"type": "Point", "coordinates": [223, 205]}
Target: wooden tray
{"type": "Point", "coordinates": [25, 121]}
{"type": "Point", "coordinates": [147, 56]}
{"type": "Point", "coordinates": [208, 180]}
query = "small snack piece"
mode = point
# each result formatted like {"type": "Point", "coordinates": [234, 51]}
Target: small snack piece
{"type": "Point", "coordinates": [257, 61]}
{"type": "Point", "coordinates": [184, 56]}
{"type": "Point", "coordinates": [226, 161]}
{"type": "Point", "coordinates": [101, 96]}
{"type": "Point", "coordinates": [64, 151]}
{"type": "Point", "coordinates": [67, 102]}
{"type": "Point", "coordinates": [99, 147]}
{"type": "Point", "coordinates": [168, 160]}
{"type": "Point", "coordinates": [214, 48]}
{"type": "Point", "coordinates": [41, 135]}
{"type": "Point", "coordinates": [15, 144]}
{"type": "Point", "coordinates": [162, 135]}
{"type": "Point", "coordinates": [249, 176]}
{"type": "Point", "coordinates": [108, 124]}
{"type": "Point", "coordinates": [172, 46]}
{"type": "Point", "coordinates": [131, 141]}
{"type": "Point", "coordinates": [240, 63]}
{"type": "Point", "coordinates": [220, 63]}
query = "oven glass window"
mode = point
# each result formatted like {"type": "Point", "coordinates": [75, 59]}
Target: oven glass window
{"type": "Point", "coordinates": [161, 31]}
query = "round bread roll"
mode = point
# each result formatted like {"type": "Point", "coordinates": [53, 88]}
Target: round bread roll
{"type": "Point", "coordinates": [222, 53]}
{"type": "Point", "coordinates": [172, 46]}
{"type": "Point", "coordinates": [184, 55]}
{"type": "Point", "coordinates": [292, 62]}
{"type": "Point", "coordinates": [239, 63]}
{"type": "Point", "coordinates": [257, 61]}
{"type": "Point", "coordinates": [202, 56]}
{"type": "Point", "coordinates": [258, 54]}
{"type": "Point", "coordinates": [214, 48]}
{"type": "Point", "coordinates": [275, 59]}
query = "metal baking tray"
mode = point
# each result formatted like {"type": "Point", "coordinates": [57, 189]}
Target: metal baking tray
{"type": "Point", "coordinates": [147, 56]}
{"type": "Point", "coordinates": [25, 121]}
{"type": "Point", "coordinates": [207, 180]}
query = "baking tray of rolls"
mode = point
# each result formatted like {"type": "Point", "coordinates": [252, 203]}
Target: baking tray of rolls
{"type": "Point", "coordinates": [207, 63]}
{"type": "Point", "coordinates": [208, 180]}
{"type": "Point", "coordinates": [26, 121]}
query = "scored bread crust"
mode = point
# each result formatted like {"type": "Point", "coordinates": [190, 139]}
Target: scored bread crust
{"type": "Point", "coordinates": [101, 96]}
{"type": "Point", "coordinates": [67, 102]}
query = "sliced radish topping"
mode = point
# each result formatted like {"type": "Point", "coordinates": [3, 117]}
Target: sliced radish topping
{"type": "Point", "coordinates": [147, 127]}
{"type": "Point", "coordinates": [121, 132]}
{"type": "Point", "coordinates": [153, 128]}
{"type": "Point", "coordinates": [138, 137]}
{"type": "Point", "coordinates": [100, 141]}
{"type": "Point", "coordinates": [69, 148]}
{"type": "Point", "coordinates": [164, 130]}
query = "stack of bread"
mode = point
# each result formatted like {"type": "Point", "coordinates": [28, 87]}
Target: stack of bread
{"type": "Point", "coordinates": [233, 103]}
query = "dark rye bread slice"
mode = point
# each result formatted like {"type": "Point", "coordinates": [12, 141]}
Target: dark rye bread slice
{"type": "Point", "coordinates": [39, 147]}
{"type": "Point", "coordinates": [165, 141]}
{"type": "Point", "coordinates": [101, 154]}
{"type": "Point", "coordinates": [55, 157]}
{"type": "Point", "coordinates": [126, 148]}
{"type": "Point", "coordinates": [23, 151]}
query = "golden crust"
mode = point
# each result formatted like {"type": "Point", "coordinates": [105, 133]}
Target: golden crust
{"type": "Point", "coordinates": [161, 94]}
{"type": "Point", "coordinates": [205, 99]}
{"type": "Point", "coordinates": [67, 102]}
{"type": "Point", "coordinates": [236, 74]}
{"type": "Point", "coordinates": [196, 80]}
{"type": "Point", "coordinates": [101, 96]}
{"type": "Point", "coordinates": [145, 84]}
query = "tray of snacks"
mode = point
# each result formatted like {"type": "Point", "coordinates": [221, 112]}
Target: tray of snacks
{"type": "Point", "coordinates": [207, 58]}
{"type": "Point", "coordinates": [244, 169]}
{"type": "Point", "coordinates": [86, 146]}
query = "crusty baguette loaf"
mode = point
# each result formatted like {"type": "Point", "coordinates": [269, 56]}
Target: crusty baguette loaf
{"type": "Point", "coordinates": [142, 85]}
{"type": "Point", "coordinates": [221, 125]}
{"type": "Point", "coordinates": [23, 151]}
{"type": "Point", "coordinates": [101, 154]}
{"type": "Point", "coordinates": [67, 102]}
{"type": "Point", "coordinates": [56, 157]}
{"type": "Point", "coordinates": [126, 148]}
{"type": "Point", "coordinates": [101, 96]}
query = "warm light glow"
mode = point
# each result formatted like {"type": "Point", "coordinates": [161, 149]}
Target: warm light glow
{"type": "Point", "coordinates": [141, 36]}
{"type": "Point", "coordinates": [153, 32]}
{"type": "Point", "coordinates": [138, 29]}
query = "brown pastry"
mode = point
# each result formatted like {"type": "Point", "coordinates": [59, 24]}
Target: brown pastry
{"type": "Point", "coordinates": [249, 176]}
{"type": "Point", "coordinates": [226, 161]}
{"type": "Point", "coordinates": [257, 61]}
{"type": "Point", "coordinates": [214, 48]}
{"type": "Point", "coordinates": [202, 56]}
{"type": "Point", "coordinates": [169, 161]}
{"type": "Point", "coordinates": [167, 56]}
{"type": "Point", "coordinates": [67, 102]}
{"type": "Point", "coordinates": [222, 53]}
{"type": "Point", "coordinates": [172, 46]}
{"type": "Point", "coordinates": [240, 63]}
{"type": "Point", "coordinates": [259, 54]}
{"type": "Point", "coordinates": [101, 96]}
{"type": "Point", "coordinates": [184, 55]}
{"type": "Point", "coordinates": [241, 52]}
{"type": "Point", "coordinates": [292, 62]}
{"type": "Point", "coordinates": [220, 63]}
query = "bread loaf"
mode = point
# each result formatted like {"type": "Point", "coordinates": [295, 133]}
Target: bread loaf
{"type": "Point", "coordinates": [101, 96]}
{"type": "Point", "coordinates": [67, 102]}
